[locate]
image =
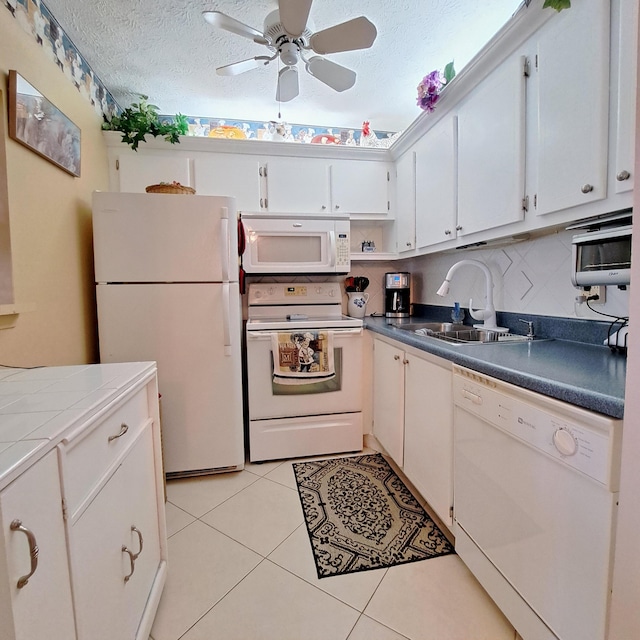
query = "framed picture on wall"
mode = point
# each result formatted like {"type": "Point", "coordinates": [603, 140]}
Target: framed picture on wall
{"type": "Point", "coordinates": [39, 125]}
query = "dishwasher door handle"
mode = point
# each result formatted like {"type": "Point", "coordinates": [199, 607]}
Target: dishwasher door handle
{"type": "Point", "coordinates": [474, 397]}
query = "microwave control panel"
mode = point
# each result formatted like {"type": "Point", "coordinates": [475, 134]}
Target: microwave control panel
{"type": "Point", "coordinates": [343, 250]}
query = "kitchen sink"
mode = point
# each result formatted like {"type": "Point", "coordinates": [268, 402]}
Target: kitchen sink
{"type": "Point", "coordinates": [459, 334]}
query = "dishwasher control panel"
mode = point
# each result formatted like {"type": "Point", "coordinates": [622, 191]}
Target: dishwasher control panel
{"type": "Point", "coordinates": [572, 441]}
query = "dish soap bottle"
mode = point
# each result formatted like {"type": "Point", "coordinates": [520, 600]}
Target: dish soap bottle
{"type": "Point", "coordinates": [457, 315]}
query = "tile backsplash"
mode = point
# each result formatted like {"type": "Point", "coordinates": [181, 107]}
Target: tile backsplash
{"type": "Point", "coordinates": [532, 276]}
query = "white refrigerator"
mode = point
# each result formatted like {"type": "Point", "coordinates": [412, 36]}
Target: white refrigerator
{"type": "Point", "coordinates": [166, 272]}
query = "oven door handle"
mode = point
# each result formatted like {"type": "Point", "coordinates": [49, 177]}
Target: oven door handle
{"type": "Point", "coordinates": [338, 333]}
{"type": "Point", "coordinates": [226, 318]}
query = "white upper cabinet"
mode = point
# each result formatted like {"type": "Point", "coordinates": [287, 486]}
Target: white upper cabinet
{"type": "Point", "coordinates": [626, 87]}
{"type": "Point", "coordinates": [406, 202]}
{"type": "Point", "coordinates": [360, 187]}
{"type": "Point", "coordinates": [491, 150]}
{"type": "Point", "coordinates": [436, 184]}
{"type": "Point", "coordinates": [136, 171]}
{"type": "Point", "coordinates": [571, 73]}
{"type": "Point", "coordinates": [296, 185]}
{"type": "Point", "coordinates": [229, 175]}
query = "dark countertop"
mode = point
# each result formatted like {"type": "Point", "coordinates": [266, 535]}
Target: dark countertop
{"type": "Point", "coordinates": [586, 375]}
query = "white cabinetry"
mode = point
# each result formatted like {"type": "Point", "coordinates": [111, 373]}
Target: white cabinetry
{"type": "Point", "coordinates": [571, 73]}
{"type": "Point", "coordinates": [297, 185]}
{"type": "Point", "coordinates": [406, 202]}
{"type": "Point", "coordinates": [32, 523]}
{"type": "Point", "coordinates": [135, 171]}
{"type": "Point", "coordinates": [388, 398]}
{"type": "Point", "coordinates": [627, 58]}
{"type": "Point", "coordinates": [111, 475]}
{"type": "Point", "coordinates": [229, 174]}
{"type": "Point", "coordinates": [491, 150]}
{"type": "Point", "coordinates": [428, 431]}
{"type": "Point", "coordinates": [360, 187]}
{"type": "Point", "coordinates": [413, 419]}
{"type": "Point", "coordinates": [436, 183]}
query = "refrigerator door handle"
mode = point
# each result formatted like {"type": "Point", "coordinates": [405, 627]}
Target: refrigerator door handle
{"type": "Point", "coordinates": [224, 242]}
{"type": "Point", "coordinates": [226, 319]}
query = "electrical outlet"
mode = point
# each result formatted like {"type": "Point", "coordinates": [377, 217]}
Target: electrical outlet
{"type": "Point", "coordinates": [601, 292]}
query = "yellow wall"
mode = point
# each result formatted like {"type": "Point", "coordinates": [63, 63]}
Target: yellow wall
{"type": "Point", "coordinates": [50, 217]}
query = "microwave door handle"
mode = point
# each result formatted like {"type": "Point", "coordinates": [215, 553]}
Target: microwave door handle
{"type": "Point", "coordinates": [226, 319]}
{"type": "Point", "coordinates": [224, 243]}
{"type": "Point", "coordinates": [332, 248]}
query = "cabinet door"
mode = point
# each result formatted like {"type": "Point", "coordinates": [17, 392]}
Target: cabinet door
{"type": "Point", "coordinates": [226, 174]}
{"type": "Point", "coordinates": [388, 398]}
{"type": "Point", "coordinates": [572, 112]}
{"type": "Point", "coordinates": [299, 185]}
{"type": "Point", "coordinates": [436, 184]}
{"type": "Point", "coordinates": [359, 186]}
{"type": "Point", "coordinates": [42, 608]}
{"type": "Point", "coordinates": [626, 96]}
{"type": "Point", "coordinates": [428, 433]}
{"type": "Point", "coordinates": [491, 137]}
{"type": "Point", "coordinates": [107, 604]}
{"type": "Point", "coordinates": [137, 170]}
{"type": "Point", "coordinates": [406, 202]}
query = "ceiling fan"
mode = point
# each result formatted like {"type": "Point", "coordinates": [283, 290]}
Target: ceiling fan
{"type": "Point", "coordinates": [287, 36]}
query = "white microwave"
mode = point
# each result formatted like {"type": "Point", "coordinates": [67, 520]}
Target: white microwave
{"type": "Point", "coordinates": [285, 244]}
{"type": "Point", "coordinates": [602, 257]}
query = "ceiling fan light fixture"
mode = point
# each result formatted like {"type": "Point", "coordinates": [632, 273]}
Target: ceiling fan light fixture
{"type": "Point", "coordinates": [289, 52]}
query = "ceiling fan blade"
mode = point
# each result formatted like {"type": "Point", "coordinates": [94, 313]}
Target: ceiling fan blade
{"type": "Point", "coordinates": [334, 75]}
{"type": "Point", "coordinates": [236, 68]}
{"type": "Point", "coordinates": [223, 21]}
{"type": "Point", "coordinates": [294, 15]}
{"type": "Point", "coordinates": [288, 87]}
{"type": "Point", "coordinates": [358, 33]}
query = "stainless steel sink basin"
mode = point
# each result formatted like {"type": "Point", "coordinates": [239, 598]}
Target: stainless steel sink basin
{"type": "Point", "coordinates": [458, 334]}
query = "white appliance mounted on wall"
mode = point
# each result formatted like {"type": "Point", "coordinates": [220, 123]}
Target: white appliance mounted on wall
{"type": "Point", "coordinates": [288, 38]}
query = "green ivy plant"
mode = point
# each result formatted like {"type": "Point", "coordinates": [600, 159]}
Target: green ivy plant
{"type": "Point", "coordinates": [140, 119]}
{"type": "Point", "coordinates": [558, 5]}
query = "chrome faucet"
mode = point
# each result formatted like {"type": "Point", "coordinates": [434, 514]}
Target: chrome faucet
{"type": "Point", "coordinates": [530, 333]}
{"type": "Point", "coordinates": [488, 314]}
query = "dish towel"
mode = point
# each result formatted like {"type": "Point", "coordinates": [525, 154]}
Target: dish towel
{"type": "Point", "coordinates": [302, 357]}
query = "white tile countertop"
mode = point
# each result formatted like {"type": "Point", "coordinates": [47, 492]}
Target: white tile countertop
{"type": "Point", "coordinates": [39, 406]}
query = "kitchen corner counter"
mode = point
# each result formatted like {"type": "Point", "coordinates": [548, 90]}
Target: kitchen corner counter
{"type": "Point", "coordinates": [40, 406]}
{"type": "Point", "coordinates": [585, 375]}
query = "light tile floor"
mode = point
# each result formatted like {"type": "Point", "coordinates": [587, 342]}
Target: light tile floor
{"type": "Point", "coordinates": [241, 568]}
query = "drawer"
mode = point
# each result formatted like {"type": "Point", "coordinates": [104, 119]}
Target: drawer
{"type": "Point", "coordinates": [87, 458]}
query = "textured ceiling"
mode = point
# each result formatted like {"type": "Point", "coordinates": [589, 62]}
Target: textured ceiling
{"type": "Point", "coordinates": [164, 49]}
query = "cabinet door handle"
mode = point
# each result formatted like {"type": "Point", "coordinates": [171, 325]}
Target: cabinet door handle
{"type": "Point", "coordinates": [459, 227]}
{"type": "Point", "coordinates": [123, 429]}
{"type": "Point", "coordinates": [17, 525]}
{"type": "Point", "coordinates": [396, 357]}
{"type": "Point", "coordinates": [447, 232]}
{"type": "Point", "coordinates": [405, 361]}
{"type": "Point", "coordinates": [623, 175]}
{"type": "Point", "coordinates": [132, 559]}
{"type": "Point", "coordinates": [337, 207]}
{"type": "Point", "coordinates": [140, 541]}
{"type": "Point", "coordinates": [587, 188]}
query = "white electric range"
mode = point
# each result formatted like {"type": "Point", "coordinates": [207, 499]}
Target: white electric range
{"type": "Point", "coordinates": [304, 371]}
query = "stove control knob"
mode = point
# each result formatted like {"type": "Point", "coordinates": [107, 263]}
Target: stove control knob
{"type": "Point", "coordinates": [564, 442]}
{"type": "Point", "coordinates": [319, 290]}
{"type": "Point", "coordinates": [270, 291]}
{"type": "Point", "coordinates": [332, 293]}
{"type": "Point", "coordinates": [258, 294]}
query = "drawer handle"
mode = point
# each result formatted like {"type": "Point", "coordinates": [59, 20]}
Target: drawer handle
{"type": "Point", "coordinates": [132, 558]}
{"type": "Point", "coordinates": [16, 525]}
{"type": "Point", "coordinates": [123, 429]}
{"type": "Point", "coordinates": [623, 175]}
{"type": "Point", "coordinates": [140, 541]}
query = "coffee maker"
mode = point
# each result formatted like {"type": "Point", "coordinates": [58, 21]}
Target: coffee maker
{"type": "Point", "coordinates": [397, 294]}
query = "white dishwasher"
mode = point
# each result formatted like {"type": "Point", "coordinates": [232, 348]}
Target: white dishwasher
{"type": "Point", "coordinates": [535, 503]}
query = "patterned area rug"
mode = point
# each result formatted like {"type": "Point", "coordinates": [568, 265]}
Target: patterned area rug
{"type": "Point", "coordinates": [361, 516]}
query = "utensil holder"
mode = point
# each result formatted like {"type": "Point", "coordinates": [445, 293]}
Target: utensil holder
{"type": "Point", "coordinates": [356, 306]}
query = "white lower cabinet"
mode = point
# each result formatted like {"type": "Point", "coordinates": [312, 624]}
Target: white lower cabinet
{"type": "Point", "coordinates": [116, 549]}
{"type": "Point", "coordinates": [413, 419]}
{"type": "Point", "coordinates": [32, 525]}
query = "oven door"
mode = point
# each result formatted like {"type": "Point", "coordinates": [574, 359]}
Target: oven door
{"type": "Point", "coordinates": [340, 394]}
{"type": "Point", "coordinates": [296, 245]}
